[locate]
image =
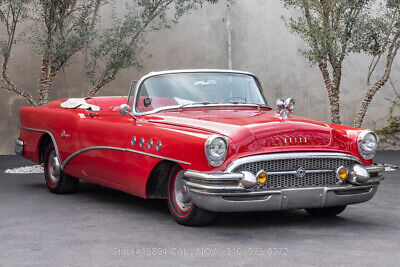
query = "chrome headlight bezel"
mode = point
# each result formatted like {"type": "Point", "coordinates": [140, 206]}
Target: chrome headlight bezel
{"type": "Point", "coordinates": [212, 160]}
{"type": "Point", "coordinates": [367, 155]}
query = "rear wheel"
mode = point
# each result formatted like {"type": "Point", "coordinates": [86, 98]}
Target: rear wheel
{"type": "Point", "coordinates": [57, 181]}
{"type": "Point", "coordinates": [180, 204]}
{"type": "Point", "coordinates": [326, 212]}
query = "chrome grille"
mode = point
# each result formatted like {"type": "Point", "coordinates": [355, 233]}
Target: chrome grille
{"type": "Point", "coordinates": [276, 181]}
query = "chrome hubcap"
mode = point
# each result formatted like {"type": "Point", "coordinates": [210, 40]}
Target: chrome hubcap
{"type": "Point", "coordinates": [182, 196]}
{"type": "Point", "coordinates": [53, 167]}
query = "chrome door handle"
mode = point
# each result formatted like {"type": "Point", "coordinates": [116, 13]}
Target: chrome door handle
{"type": "Point", "coordinates": [93, 114]}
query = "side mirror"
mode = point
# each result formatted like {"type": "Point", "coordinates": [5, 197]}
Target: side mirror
{"type": "Point", "coordinates": [124, 109]}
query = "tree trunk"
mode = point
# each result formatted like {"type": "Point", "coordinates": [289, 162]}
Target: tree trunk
{"type": "Point", "coordinates": [367, 101]}
{"type": "Point", "coordinates": [334, 105]}
{"type": "Point", "coordinates": [11, 87]}
{"type": "Point", "coordinates": [48, 76]}
{"type": "Point", "coordinates": [101, 83]}
{"type": "Point", "coordinates": [333, 93]}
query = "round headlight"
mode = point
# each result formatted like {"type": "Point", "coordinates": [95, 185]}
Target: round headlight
{"type": "Point", "coordinates": [216, 148]}
{"type": "Point", "coordinates": [367, 144]}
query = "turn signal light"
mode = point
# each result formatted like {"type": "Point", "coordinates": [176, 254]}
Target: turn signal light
{"type": "Point", "coordinates": [262, 177]}
{"type": "Point", "coordinates": [342, 173]}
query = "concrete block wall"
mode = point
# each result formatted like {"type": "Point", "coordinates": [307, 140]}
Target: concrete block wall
{"type": "Point", "coordinates": [260, 43]}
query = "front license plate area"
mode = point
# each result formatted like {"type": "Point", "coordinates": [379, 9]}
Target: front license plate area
{"type": "Point", "coordinates": [302, 198]}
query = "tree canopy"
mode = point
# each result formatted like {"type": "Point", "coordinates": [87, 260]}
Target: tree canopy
{"type": "Point", "coordinates": [62, 29]}
{"type": "Point", "coordinates": [332, 29]}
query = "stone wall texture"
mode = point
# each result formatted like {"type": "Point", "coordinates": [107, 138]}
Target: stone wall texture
{"type": "Point", "coordinates": [260, 44]}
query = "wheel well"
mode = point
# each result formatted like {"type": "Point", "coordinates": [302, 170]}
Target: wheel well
{"type": "Point", "coordinates": [45, 140]}
{"type": "Point", "coordinates": [157, 184]}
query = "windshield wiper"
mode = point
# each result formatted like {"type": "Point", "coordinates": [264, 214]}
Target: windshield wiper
{"type": "Point", "coordinates": [194, 103]}
{"type": "Point", "coordinates": [245, 103]}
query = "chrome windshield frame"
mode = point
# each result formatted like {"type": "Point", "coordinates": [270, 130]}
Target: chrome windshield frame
{"type": "Point", "coordinates": [177, 107]}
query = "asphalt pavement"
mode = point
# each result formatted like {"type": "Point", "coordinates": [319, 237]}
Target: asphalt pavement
{"type": "Point", "coordinates": [102, 227]}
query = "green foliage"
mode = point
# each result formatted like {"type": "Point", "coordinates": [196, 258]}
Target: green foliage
{"type": "Point", "coordinates": [375, 31]}
{"type": "Point", "coordinates": [328, 27]}
{"type": "Point", "coordinates": [332, 29]}
{"type": "Point", "coordinates": [119, 46]}
{"type": "Point", "coordinates": [12, 12]}
{"type": "Point", "coordinates": [60, 29]}
{"type": "Point", "coordinates": [390, 134]}
{"type": "Point", "coordinates": [336, 28]}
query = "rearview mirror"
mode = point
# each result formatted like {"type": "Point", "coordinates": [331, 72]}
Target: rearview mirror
{"type": "Point", "coordinates": [124, 109]}
{"type": "Point", "coordinates": [147, 102]}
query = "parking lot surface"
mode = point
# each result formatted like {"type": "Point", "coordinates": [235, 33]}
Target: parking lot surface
{"type": "Point", "coordinates": [102, 227]}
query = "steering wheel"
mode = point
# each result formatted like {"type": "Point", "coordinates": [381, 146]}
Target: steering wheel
{"type": "Point", "coordinates": [234, 97]}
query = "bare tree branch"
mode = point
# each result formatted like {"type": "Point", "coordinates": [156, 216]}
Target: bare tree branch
{"type": "Point", "coordinates": [391, 54]}
{"type": "Point", "coordinates": [11, 22]}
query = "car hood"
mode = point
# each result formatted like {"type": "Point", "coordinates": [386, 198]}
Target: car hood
{"type": "Point", "coordinates": [257, 129]}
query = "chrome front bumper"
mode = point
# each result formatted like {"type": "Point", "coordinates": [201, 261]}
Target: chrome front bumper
{"type": "Point", "coordinates": [220, 192]}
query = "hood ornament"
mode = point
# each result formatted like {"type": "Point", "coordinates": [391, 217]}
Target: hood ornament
{"type": "Point", "coordinates": [284, 107]}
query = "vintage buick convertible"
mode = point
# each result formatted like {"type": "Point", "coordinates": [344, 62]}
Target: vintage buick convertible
{"type": "Point", "coordinates": [205, 140]}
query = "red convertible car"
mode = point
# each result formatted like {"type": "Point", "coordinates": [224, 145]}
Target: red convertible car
{"type": "Point", "coordinates": [206, 141]}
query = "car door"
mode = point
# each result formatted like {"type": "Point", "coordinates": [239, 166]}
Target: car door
{"type": "Point", "coordinates": [136, 137]}
{"type": "Point", "coordinates": [103, 157]}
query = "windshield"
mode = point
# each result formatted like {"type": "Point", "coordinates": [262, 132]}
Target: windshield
{"type": "Point", "coordinates": [185, 89]}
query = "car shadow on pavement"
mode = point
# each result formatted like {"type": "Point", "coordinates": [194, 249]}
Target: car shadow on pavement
{"type": "Point", "coordinates": [277, 218]}
{"type": "Point", "coordinates": [93, 193]}
{"type": "Point", "coordinates": [117, 201]}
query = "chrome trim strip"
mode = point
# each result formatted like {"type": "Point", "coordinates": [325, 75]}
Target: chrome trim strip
{"type": "Point", "coordinates": [243, 193]}
{"type": "Point", "coordinates": [289, 155]}
{"type": "Point", "coordinates": [294, 172]}
{"type": "Point", "coordinates": [237, 176]}
{"type": "Point", "coordinates": [376, 168]}
{"type": "Point", "coordinates": [73, 155]}
{"type": "Point", "coordinates": [51, 136]}
{"type": "Point", "coordinates": [213, 176]}
{"type": "Point", "coordinates": [214, 187]}
{"type": "Point", "coordinates": [179, 107]}
{"type": "Point", "coordinates": [158, 73]}
{"type": "Point", "coordinates": [119, 149]}
{"type": "Point", "coordinates": [157, 156]}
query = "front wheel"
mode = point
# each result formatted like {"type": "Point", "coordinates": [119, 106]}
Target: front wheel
{"type": "Point", "coordinates": [180, 204]}
{"type": "Point", "coordinates": [326, 212]}
{"type": "Point", "coordinates": [57, 181]}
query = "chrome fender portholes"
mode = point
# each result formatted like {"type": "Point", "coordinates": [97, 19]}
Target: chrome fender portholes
{"type": "Point", "coordinates": [141, 143]}
{"type": "Point", "coordinates": [159, 144]}
{"type": "Point", "coordinates": [150, 144]}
